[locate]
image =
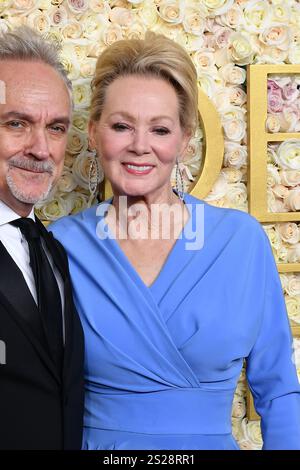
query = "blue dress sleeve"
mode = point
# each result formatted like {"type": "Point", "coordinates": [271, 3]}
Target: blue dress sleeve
{"type": "Point", "coordinates": [271, 371]}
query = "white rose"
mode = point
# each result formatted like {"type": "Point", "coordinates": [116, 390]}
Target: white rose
{"type": "Point", "coordinates": [71, 65]}
{"type": "Point", "coordinates": [94, 26]}
{"type": "Point", "coordinates": [204, 61]}
{"type": "Point", "coordinates": [219, 189]}
{"type": "Point", "coordinates": [252, 432]}
{"type": "Point", "coordinates": [273, 235]}
{"type": "Point", "coordinates": [232, 175]}
{"type": "Point", "coordinates": [271, 55]}
{"type": "Point", "coordinates": [288, 154]}
{"type": "Point", "coordinates": [99, 6]}
{"type": "Point", "coordinates": [293, 254]}
{"type": "Point", "coordinates": [82, 93]}
{"type": "Point", "coordinates": [53, 209]}
{"type": "Point", "coordinates": [289, 232]}
{"type": "Point", "coordinates": [87, 68]}
{"type": "Point", "coordinates": [233, 18]}
{"type": "Point", "coordinates": [171, 11]}
{"type": "Point", "coordinates": [284, 279]}
{"type": "Point", "coordinates": [290, 177]}
{"type": "Point", "coordinates": [235, 155]}
{"type": "Point", "coordinates": [121, 16]}
{"type": "Point", "coordinates": [257, 15]}
{"type": "Point", "coordinates": [232, 74]}
{"type": "Point", "coordinates": [194, 21]}
{"type": "Point", "coordinates": [112, 33]}
{"type": "Point", "coordinates": [240, 49]}
{"type": "Point", "coordinates": [234, 129]}
{"type": "Point", "coordinates": [217, 7]}
{"type": "Point", "coordinates": [280, 191]}
{"type": "Point", "coordinates": [80, 202]}
{"type": "Point", "coordinates": [293, 199]}
{"type": "Point", "coordinates": [24, 5]}
{"type": "Point", "coordinates": [238, 408]}
{"type": "Point", "coordinates": [281, 12]}
{"type": "Point", "coordinates": [273, 123]}
{"type": "Point", "coordinates": [80, 121]}
{"type": "Point", "coordinates": [293, 287]}
{"type": "Point", "coordinates": [275, 204]}
{"type": "Point", "coordinates": [66, 182]}
{"type": "Point", "coordinates": [77, 142]}
{"type": "Point", "coordinates": [72, 30]}
{"type": "Point", "coordinates": [294, 54]}
{"type": "Point", "coordinates": [278, 36]}
{"type": "Point", "coordinates": [293, 308]}
{"type": "Point", "coordinates": [237, 96]}
{"type": "Point", "coordinates": [273, 176]}
{"type": "Point", "coordinates": [207, 84]}
{"type": "Point", "coordinates": [237, 196]}
{"type": "Point", "coordinates": [5, 4]}
{"type": "Point", "coordinates": [148, 14]}
{"type": "Point", "coordinates": [81, 169]}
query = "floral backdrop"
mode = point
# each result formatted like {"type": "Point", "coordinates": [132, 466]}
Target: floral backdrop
{"type": "Point", "coordinates": [222, 37]}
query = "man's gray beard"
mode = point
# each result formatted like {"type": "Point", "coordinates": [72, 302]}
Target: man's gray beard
{"type": "Point", "coordinates": [22, 196]}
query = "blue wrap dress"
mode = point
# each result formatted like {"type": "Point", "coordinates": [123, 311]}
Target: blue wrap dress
{"type": "Point", "coordinates": [162, 362]}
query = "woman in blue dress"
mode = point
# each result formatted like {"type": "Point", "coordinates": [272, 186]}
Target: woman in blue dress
{"type": "Point", "coordinates": [173, 293]}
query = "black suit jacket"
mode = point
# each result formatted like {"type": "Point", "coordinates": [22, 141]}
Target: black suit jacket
{"type": "Point", "coordinates": [39, 407]}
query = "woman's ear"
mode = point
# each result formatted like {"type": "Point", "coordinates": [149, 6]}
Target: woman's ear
{"type": "Point", "coordinates": [186, 137]}
{"type": "Point", "coordinates": [92, 134]}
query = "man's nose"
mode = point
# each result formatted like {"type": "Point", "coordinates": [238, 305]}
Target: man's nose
{"type": "Point", "coordinates": [37, 145]}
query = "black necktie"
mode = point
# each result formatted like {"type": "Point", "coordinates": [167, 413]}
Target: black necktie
{"type": "Point", "coordinates": [49, 301]}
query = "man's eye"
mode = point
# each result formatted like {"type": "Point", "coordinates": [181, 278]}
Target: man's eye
{"type": "Point", "coordinates": [15, 124]}
{"type": "Point", "coordinates": [120, 127]}
{"type": "Point", "coordinates": [161, 131]}
{"type": "Point", "coordinates": [58, 129]}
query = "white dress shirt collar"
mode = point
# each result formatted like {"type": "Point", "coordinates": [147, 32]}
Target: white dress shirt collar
{"type": "Point", "coordinates": [7, 214]}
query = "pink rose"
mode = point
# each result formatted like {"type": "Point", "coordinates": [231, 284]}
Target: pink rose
{"type": "Point", "coordinates": [275, 101]}
{"type": "Point", "coordinates": [290, 92]}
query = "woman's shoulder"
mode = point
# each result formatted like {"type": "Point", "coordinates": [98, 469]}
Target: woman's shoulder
{"type": "Point", "coordinates": [225, 218]}
{"type": "Point", "coordinates": [72, 224]}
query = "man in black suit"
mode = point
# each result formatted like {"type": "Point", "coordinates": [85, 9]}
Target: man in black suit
{"type": "Point", "coordinates": [41, 366]}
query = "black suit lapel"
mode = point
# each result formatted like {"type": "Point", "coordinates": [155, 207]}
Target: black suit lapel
{"type": "Point", "coordinates": [21, 305]}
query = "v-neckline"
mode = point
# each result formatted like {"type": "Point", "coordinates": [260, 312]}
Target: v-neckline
{"type": "Point", "coordinates": [126, 260]}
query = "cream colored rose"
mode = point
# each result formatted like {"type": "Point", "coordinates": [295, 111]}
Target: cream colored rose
{"type": "Point", "coordinates": [257, 16]}
{"type": "Point", "coordinates": [77, 142]}
{"type": "Point", "coordinates": [81, 93]}
{"type": "Point", "coordinates": [207, 83]}
{"type": "Point", "coordinates": [273, 176]}
{"type": "Point", "coordinates": [234, 129]}
{"type": "Point", "coordinates": [5, 4]}
{"type": "Point", "coordinates": [217, 7]}
{"type": "Point", "coordinates": [39, 21]}
{"type": "Point", "coordinates": [54, 209]}
{"type": "Point", "coordinates": [94, 26]}
{"type": "Point", "coordinates": [288, 154]}
{"type": "Point", "coordinates": [24, 5]}
{"type": "Point", "coordinates": [293, 308]}
{"type": "Point", "coordinates": [240, 49]}
{"type": "Point", "coordinates": [87, 68]}
{"type": "Point", "coordinates": [204, 61]}
{"type": "Point", "coordinates": [232, 175]}
{"type": "Point", "coordinates": [293, 287]}
{"type": "Point", "coordinates": [81, 169]}
{"type": "Point", "coordinates": [218, 190]}
{"type": "Point", "coordinates": [171, 11]}
{"type": "Point", "coordinates": [275, 204]}
{"type": "Point", "coordinates": [233, 18]}
{"type": "Point", "coordinates": [111, 33]}
{"type": "Point", "coordinates": [235, 155]}
{"type": "Point", "coordinates": [294, 54]}
{"type": "Point", "coordinates": [278, 36]}
{"type": "Point", "coordinates": [136, 31]}
{"type": "Point", "coordinates": [281, 12]}
{"type": "Point", "coordinates": [271, 55]}
{"type": "Point", "coordinates": [80, 202]}
{"type": "Point", "coordinates": [273, 236]}
{"type": "Point", "coordinates": [273, 123]}
{"type": "Point", "coordinates": [289, 232]}
{"type": "Point", "coordinates": [238, 408]}
{"type": "Point", "coordinates": [237, 96]}
{"type": "Point", "coordinates": [293, 254]}
{"type": "Point", "coordinates": [80, 121]}
{"type": "Point", "coordinates": [252, 432]}
{"type": "Point", "coordinates": [293, 200]}
{"type": "Point", "coordinates": [290, 177]}
{"type": "Point", "coordinates": [236, 196]}
{"type": "Point", "coordinates": [121, 16]}
{"type": "Point", "coordinates": [284, 279]}
{"type": "Point", "coordinates": [72, 30]}
{"type": "Point", "coordinates": [99, 6]}
{"type": "Point", "coordinates": [66, 182]}
{"type": "Point", "coordinates": [280, 191]}
{"type": "Point", "coordinates": [194, 20]}
{"type": "Point", "coordinates": [148, 15]}
{"type": "Point", "coordinates": [71, 65]}
{"type": "Point", "coordinates": [232, 74]}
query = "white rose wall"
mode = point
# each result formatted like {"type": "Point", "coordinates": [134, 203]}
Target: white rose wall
{"type": "Point", "coordinates": [223, 37]}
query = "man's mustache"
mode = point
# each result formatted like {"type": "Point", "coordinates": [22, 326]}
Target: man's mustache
{"type": "Point", "coordinates": [31, 165]}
